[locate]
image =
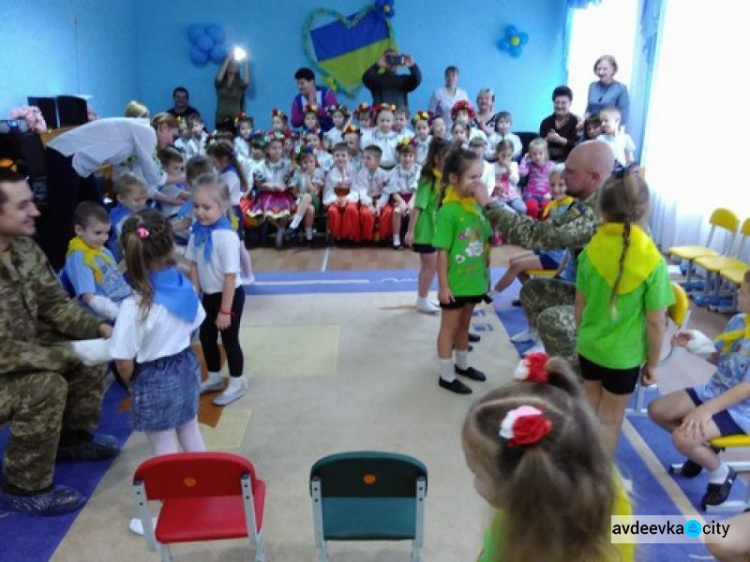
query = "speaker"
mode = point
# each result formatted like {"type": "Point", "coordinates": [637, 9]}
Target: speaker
{"type": "Point", "coordinates": [26, 148]}
{"type": "Point", "coordinates": [48, 107]}
{"type": "Point", "coordinates": [72, 111]}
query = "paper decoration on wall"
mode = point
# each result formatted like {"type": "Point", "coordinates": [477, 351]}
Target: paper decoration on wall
{"type": "Point", "coordinates": [206, 43]}
{"type": "Point", "coordinates": [341, 50]}
{"type": "Point", "coordinates": [513, 41]}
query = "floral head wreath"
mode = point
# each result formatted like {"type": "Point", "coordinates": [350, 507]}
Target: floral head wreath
{"type": "Point", "coordinates": [341, 108]}
{"type": "Point", "coordinates": [460, 106]}
{"type": "Point", "coordinates": [278, 113]}
{"type": "Point", "coordinates": [352, 129]}
{"type": "Point", "coordinates": [310, 108]}
{"type": "Point", "coordinates": [421, 115]}
{"type": "Point", "coordinates": [525, 425]}
{"type": "Point", "coordinates": [363, 107]}
{"type": "Point", "coordinates": [274, 136]}
{"type": "Point", "coordinates": [242, 116]}
{"type": "Point", "coordinates": [258, 139]}
{"type": "Point", "coordinates": [406, 144]}
{"type": "Point", "coordinates": [531, 368]}
{"type": "Point", "coordinates": [378, 108]}
{"type": "Point", "coordinates": [302, 151]}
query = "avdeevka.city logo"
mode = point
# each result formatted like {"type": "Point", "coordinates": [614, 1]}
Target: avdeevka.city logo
{"type": "Point", "coordinates": [666, 529]}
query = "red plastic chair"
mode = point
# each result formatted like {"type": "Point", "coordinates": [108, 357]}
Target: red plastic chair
{"type": "Point", "coordinates": [205, 496]}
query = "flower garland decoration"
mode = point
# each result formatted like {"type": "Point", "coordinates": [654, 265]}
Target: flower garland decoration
{"type": "Point", "coordinates": [405, 145]}
{"type": "Point", "coordinates": [341, 108]}
{"type": "Point", "coordinates": [33, 117]}
{"type": "Point", "coordinates": [310, 108]}
{"type": "Point", "coordinates": [463, 105]}
{"type": "Point", "coordinates": [380, 107]}
{"type": "Point", "coordinates": [278, 113]}
{"type": "Point", "coordinates": [513, 41]}
{"type": "Point", "coordinates": [421, 115]}
{"type": "Point", "coordinates": [531, 368]}
{"type": "Point", "coordinates": [363, 107]}
{"type": "Point", "coordinates": [352, 129]}
{"type": "Point", "coordinates": [525, 425]}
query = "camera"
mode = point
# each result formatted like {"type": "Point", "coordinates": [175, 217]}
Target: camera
{"type": "Point", "coordinates": [395, 60]}
{"type": "Point", "coordinates": [239, 54]}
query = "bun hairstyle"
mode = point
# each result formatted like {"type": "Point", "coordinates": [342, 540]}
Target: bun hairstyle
{"type": "Point", "coordinates": [568, 466]}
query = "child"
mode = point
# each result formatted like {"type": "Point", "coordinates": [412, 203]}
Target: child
{"type": "Point", "coordinates": [369, 184]}
{"type": "Point", "coordinates": [363, 115]}
{"type": "Point", "coordinates": [258, 142]}
{"type": "Point", "coordinates": [339, 114]}
{"type": "Point", "coordinates": [340, 199]}
{"type": "Point", "coordinates": [186, 134]}
{"type": "Point", "coordinates": [274, 201]}
{"type": "Point", "coordinates": [439, 129]}
{"type": "Point", "coordinates": [536, 456]}
{"type": "Point", "coordinates": [461, 239]}
{"type": "Point", "coordinates": [422, 223]}
{"type": "Point", "coordinates": [226, 164]}
{"type": "Point", "coordinates": [324, 158]}
{"type": "Point", "coordinates": [719, 407]}
{"type": "Point", "coordinates": [310, 123]}
{"type": "Point", "coordinates": [90, 268]}
{"type": "Point", "coordinates": [151, 341]}
{"type": "Point", "coordinates": [536, 165]}
{"type": "Point", "coordinates": [402, 184]}
{"type": "Point", "coordinates": [352, 136]}
{"type": "Point", "coordinates": [400, 122]}
{"type": "Point", "coordinates": [463, 111]}
{"type": "Point", "coordinates": [622, 293]}
{"type": "Point", "coordinates": [592, 128]}
{"type": "Point", "coordinates": [183, 220]}
{"type": "Point", "coordinates": [279, 121]}
{"type": "Point", "coordinates": [421, 122]}
{"type": "Point", "coordinates": [460, 135]}
{"type": "Point", "coordinates": [479, 146]}
{"type": "Point", "coordinates": [383, 136]}
{"type": "Point", "coordinates": [506, 178]}
{"type": "Point", "coordinates": [198, 142]}
{"type": "Point", "coordinates": [131, 195]}
{"type": "Point", "coordinates": [175, 190]}
{"type": "Point", "coordinates": [540, 259]}
{"type": "Point", "coordinates": [502, 132]}
{"type": "Point", "coordinates": [214, 253]}
{"type": "Point", "coordinates": [245, 126]}
{"type": "Point", "coordinates": [620, 143]}
{"type": "Point", "coordinates": [306, 185]}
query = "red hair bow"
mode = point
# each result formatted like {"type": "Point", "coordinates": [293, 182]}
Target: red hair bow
{"type": "Point", "coordinates": [531, 368]}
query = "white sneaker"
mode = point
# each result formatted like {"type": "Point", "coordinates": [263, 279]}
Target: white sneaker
{"type": "Point", "coordinates": [136, 525]}
{"type": "Point", "coordinates": [527, 335]}
{"type": "Point", "coordinates": [234, 391]}
{"type": "Point", "coordinates": [426, 306]}
{"type": "Point", "coordinates": [212, 384]}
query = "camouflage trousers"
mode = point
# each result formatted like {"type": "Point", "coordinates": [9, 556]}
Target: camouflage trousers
{"type": "Point", "coordinates": [39, 405]}
{"type": "Point", "coordinates": [548, 304]}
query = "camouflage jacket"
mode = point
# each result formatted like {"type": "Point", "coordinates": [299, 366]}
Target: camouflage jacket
{"type": "Point", "coordinates": [33, 306]}
{"type": "Point", "coordinates": [572, 229]}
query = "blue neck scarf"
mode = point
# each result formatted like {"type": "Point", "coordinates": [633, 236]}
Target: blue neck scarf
{"type": "Point", "coordinates": [117, 213]}
{"type": "Point", "coordinates": [175, 292]}
{"type": "Point", "coordinates": [203, 234]}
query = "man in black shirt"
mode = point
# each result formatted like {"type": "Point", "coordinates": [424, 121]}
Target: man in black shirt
{"type": "Point", "coordinates": [388, 87]}
{"type": "Point", "coordinates": [181, 109]}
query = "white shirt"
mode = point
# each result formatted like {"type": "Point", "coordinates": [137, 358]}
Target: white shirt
{"type": "Point", "coordinates": [234, 185]}
{"type": "Point", "coordinates": [488, 176]}
{"type": "Point", "coordinates": [241, 147]}
{"type": "Point", "coordinates": [123, 141]}
{"type": "Point", "coordinates": [495, 138]}
{"type": "Point", "coordinates": [441, 103]}
{"type": "Point", "coordinates": [620, 144]}
{"type": "Point", "coordinates": [387, 143]}
{"type": "Point", "coordinates": [403, 181]}
{"type": "Point", "coordinates": [333, 137]}
{"type": "Point", "coordinates": [225, 260]}
{"type": "Point", "coordinates": [336, 177]}
{"type": "Point", "coordinates": [370, 185]}
{"type": "Point", "coordinates": [161, 334]}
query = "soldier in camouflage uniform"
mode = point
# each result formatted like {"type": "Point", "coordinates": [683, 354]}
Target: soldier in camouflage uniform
{"type": "Point", "coordinates": [50, 398]}
{"type": "Point", "coordinates": [548, 302]}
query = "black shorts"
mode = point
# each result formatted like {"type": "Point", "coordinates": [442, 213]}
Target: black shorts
{"type": "Point", "coordinates": [723, 419]}
{"type": "Point", "coordinates": [424, 248]}
{"type": "Point", "coordinates": [616, 381]}
{"type": "Point", "coordinates": [460, 302]}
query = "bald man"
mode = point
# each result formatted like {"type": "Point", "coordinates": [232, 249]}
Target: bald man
{"type": "Point", "coordinates": [548, 302]}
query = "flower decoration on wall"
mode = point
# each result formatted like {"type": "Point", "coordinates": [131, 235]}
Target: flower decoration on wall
{"type": "Point", "coordinates": [206, 43]}
{"type": "Point", "coordinates": [384, 9]}
{"type": "Point", "coordinates": [33, 117]}
{"type": "Point", "coordinates": [513, 41]}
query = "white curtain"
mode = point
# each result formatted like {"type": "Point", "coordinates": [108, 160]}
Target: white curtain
{"type": "Point", "coordinates": [697, 141]}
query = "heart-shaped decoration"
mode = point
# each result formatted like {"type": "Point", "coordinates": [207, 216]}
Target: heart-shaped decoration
{"type": "Point", "coordinates": [342, 50]}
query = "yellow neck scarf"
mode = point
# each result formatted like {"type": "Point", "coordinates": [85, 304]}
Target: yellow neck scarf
{"type": "Point", "coordinates": [605, 249]}
{"type": "Point", "coordinates": [468, 203]}
{"type": "Point", "coordinates": [554, 204]}
{"type": "Point", "coordinates": [730, 337]}
{"type": "Point", "coordinates": [89, 256]}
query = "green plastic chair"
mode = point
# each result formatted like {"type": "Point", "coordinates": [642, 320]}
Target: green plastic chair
{"type": "Point", "coordinates": [368, 495]}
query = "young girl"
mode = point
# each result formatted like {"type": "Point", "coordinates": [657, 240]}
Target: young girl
{"type": "Point", "coordinates": [463, 111]}
{"type": "Point", "coordinates": [540, 259]}
{"type": "Point", "coordinates": [421, 122]}
{"type": "Point", "coordinates": [245, 126]}
{"type": "Point", "coordinates": [214, 253]}
{"type": "Point", "coordinates": [339, 114]}
{"type": "Point", "coordinates": [438, 128]}
{"type": "Point", "coordinates": [383, 136]}
{"type": "Point", "coordinates": [620, 143]}
{"type": "Point", "coordinates": [400, 122]}
{"type": "Point", "coordinates": [536, 455]}
{"type": "Point", "coordinates": [622, 293]}
{"type": "Point", "coordinates": [340, 199]}
{"type": "Point", "coordinates": [363, 115]}
{"type": "Point", "coordinates": [460, 135]}
{"type": "Point", "coordinates": [225, 162]}
{"type": "Point", "coordinates": [402, 183]}
{"type": "Point", "coordinates": [307, 185]}
{"type": "Point", "coordinates": [310, 122]}
{"type": "Point", "coordinates": [719, 407]}
{"type": "Point", "coordinates": [279, 121]}
{"type": "Point", "coordinates": [536, 165]}
{"type": "Point", "coordinates": [506, 178]}
{"type": "Point", "coordinates": [503, 122]}
{"type": "Point", "coordinates": [352, 136]}
{"type": "Point", "coordinates": [592, 128]}
{"type": "Point", "coordinates": [461, 239]}
{"type": "Point", "coordinates": [422, 223]}
{"type": "Point", "coordinates": [274, 201]}
{"type": "Point", "coordinates": [151, 340]}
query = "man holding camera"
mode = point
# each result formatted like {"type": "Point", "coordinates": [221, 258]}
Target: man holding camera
{"type": "Point", "coordinates": [386, 85]}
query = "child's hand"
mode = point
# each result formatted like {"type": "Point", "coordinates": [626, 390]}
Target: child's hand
{"type": "Point", "coordinates": [648, 375]}
{"type": "Point", "coordinates": [184, 196]}
{"type": "Point", "coordinates": [445, 296]}
{"type": "Point", "coordinates": [696, 422]}
{"type": "Point", "coordinates": [409, 239]}
{"type": "Point", "coordinates": [682, 338]}
{"type": "Point", "coordinates": [223, 321]}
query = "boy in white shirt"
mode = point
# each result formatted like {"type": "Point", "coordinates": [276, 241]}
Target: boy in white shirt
{"type": "Point", "coordinates": [621, 143]}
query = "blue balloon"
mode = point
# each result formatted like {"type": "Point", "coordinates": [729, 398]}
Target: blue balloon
{"type": "Point", "coordinates": [510, 31]}
{"type": "Point", "coordinates": [195, 31]}
{"type": "Point", "coordinates": [216, 33]}
{"type": "Point", "coordinates": [505, 44]}
{"type": "Point", "coordinates": [524, 38]}
{"type": "Point", "coordinates": [218, 53]}
{"type": "Point", "coordinates": [515, 52]}
{"type": "Point", "coordinates": [205, 43]}
{"type": "Point", "coordinates": [198, 57]}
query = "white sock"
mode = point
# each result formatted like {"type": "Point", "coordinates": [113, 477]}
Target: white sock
{"type": "Point", "coordinates": [235, 383]}
{"type": "Point", "coordinates": [396, 239]}
{"type": "Point", "coordinates": [308, 232]}
{"type": "Point", "coordinates": [462, 359]}
{"type": "Point", "coordinates": [295, 221]}
{"type": "Point", "coordinates": [719, 475]}
{"type": "Point", "coordinates": [162, 442]}
{"type": "Point", "coordinates": [446, 370]}
{"type": "Point", "coordinates": [213, 376]}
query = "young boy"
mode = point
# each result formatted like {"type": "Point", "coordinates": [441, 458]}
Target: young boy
{"type": "Point", "coordinates": [370, 184]}
{"type": "Point", "coordinates": [186, 134]}
{"type": "Point", "coordinates": [131, 194]}
{"type": "Point", "coordinates": [620, 143]}
{"type": "Point", "coordinates": [400, 122]}
{"type": "Point", "coordinates": [198, 142]}
{"type": "Point", "coordinates": [340, 199]}
{"type": "Point", "coordinates": [502, 132]}
{"type": "Point", "coordinates": [173, 163]}
{"type": "Point", "coordinates": [91, 269]}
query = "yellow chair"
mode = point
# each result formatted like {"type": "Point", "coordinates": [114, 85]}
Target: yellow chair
{"type": "Point", "coordinates": [541, 272]}
{"type": "Point", "coordinates": [679, 314]}
{"type": "Point", "coordinates": [714, 265]}
{"type": "Point", "coordinates": [720, 218]}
